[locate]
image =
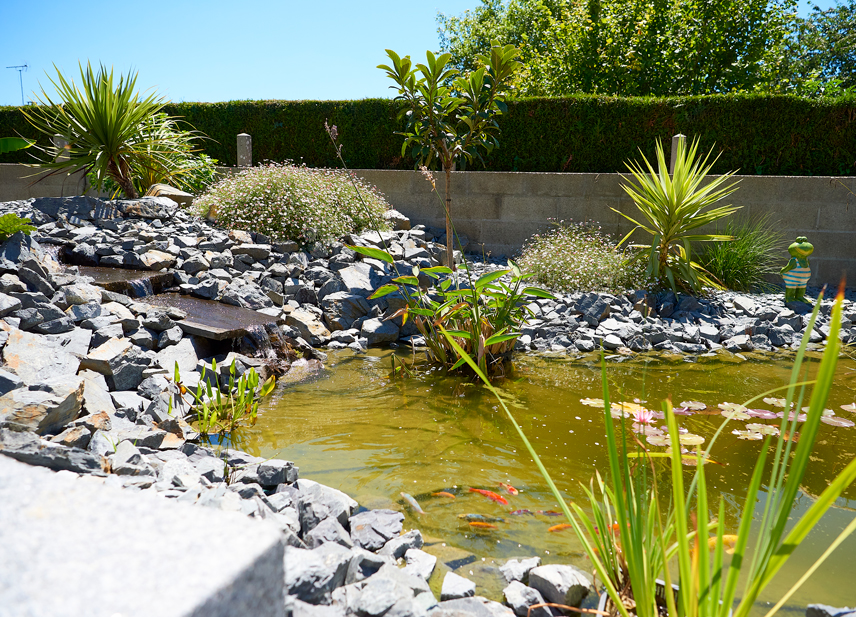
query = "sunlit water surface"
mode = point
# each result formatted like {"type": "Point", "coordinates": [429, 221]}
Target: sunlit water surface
{"type": "Point", "coordinates": [352, 427]}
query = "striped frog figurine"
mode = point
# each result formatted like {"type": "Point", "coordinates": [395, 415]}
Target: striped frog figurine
{"type": "Point", "coordinates": [797, 271]}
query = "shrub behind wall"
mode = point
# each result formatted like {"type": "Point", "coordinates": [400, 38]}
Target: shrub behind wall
{"type": "Point", "coordinates": [757, 134]}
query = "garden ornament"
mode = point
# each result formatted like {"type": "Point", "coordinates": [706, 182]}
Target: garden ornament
{"type": "Point", "coordinates": [797, 271]}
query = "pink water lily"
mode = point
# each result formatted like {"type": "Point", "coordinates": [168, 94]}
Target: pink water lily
{"type": "Point", "coordinates": [642, 416]}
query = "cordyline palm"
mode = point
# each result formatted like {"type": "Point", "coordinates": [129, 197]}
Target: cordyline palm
{"type": "Point", "coordinates": [673, 206]}
{"type": "Point", "coordinates": [102, 125]}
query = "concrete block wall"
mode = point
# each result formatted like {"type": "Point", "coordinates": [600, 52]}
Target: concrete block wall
{"type": "Point", "coordinates": [498, 211]}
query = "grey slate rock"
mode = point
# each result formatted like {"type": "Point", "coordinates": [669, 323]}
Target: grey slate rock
{"type": "Point", "coordinates": [378, 332]}
{"type": "Point", "coordinates": [328, 530]}
{"type": "Point", "coordinates": [9, 381]}
{"type": "Point", "coordinates": [474, 607]}
{"type": "Point", "coordinates": [43, 411]}
{"type": "Point", "coordinates": [18, 249]}
{"type": "Point", "coordinates": [307, 576]}
{"type": "Point", "coordinates": [560, 584]}
{"type": "Point", "coordinates": [277, 471]}
{"type": "Point", "coordinates": [455, 587]}
{"type": "Point", "coordinates": [520, 597]}
{"type": "Point", "coordinates": [379, 595]}
{"type": "Point", "coordinates": [74, 437]}
{"type": "Point", "coordinates": [340, 505]}
{"type": "Point", "coordinates": [518, 570]}
{"type": "Point", "coordinates": [364, 564]}
{"type": "Point", "coordinates": [823, 610]}
{"type": "Point", "coordinates": [36, 358]}
{"type": "Point", "coordinates": [398, 546]}
{"type": "Point", "coordinates": [28, 448]}
{"type": "Point", "coordinates": [372, 529]}
{"type": "Point", "coordinates": [419, 563]}
{"type": "Point", "coordinates": [128, 461]}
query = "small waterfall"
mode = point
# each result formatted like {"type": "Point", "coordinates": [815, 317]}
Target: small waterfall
{"type": "Point", "coordinates": [266, 342]}
{"type": "Point", "coordinates": [140, 288]}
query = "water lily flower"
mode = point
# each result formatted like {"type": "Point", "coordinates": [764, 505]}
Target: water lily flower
{"type": "Point", "coordinates": [642, 415]}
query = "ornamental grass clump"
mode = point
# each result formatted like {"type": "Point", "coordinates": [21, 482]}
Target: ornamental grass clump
{"type": "Point", "coordinates": [286, 201]}
{"type": "Point", "coordinates": [744, 263]}
{"type": "Point", "coordinates": [580, 257]}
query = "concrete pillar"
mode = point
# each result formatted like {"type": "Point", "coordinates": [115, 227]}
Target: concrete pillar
{"type": "Point", "coordinates": [245, 150]}
{"type": "Point", "coordinates": [677, 139]}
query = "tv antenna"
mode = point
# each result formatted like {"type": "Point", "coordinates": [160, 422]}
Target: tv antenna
{"type": "Point", "coordinates": [20, 68]}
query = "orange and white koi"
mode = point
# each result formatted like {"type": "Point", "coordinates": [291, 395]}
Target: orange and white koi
{"type": "Point", "coordinates": [443, 494]}
{"type": "Point", "coordinates": [490, 495]}
{"type": "Point", "coordinates": [559, 527]}
{"type": "Point", "coordinates": [477, 525]}
{"type": "Point", "coordinates": [509, 489]}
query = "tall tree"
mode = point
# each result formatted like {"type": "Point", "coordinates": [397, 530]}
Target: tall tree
{"type": "Point", "coordinates": [822, 51]}
{"type": "Point", "coordinates": [631, 47]}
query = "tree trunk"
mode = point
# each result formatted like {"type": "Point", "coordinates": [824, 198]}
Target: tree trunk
{"type": "Point", "coordinates": [122, 179]}
{"type": "Point", "coordinates": [450, 237]}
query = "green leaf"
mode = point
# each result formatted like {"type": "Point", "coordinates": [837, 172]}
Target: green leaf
{"type": "Point", "coordinates": [407, 280]}
{"type": "Point", "coordinates": [10, 144]}
{"type": "Point", "coordinates": [384, 290]}
{"type": "Point", "coordinates": [372, 252]}
{"type": "Point", "coordinates": [499, 338]}
{"type": "Point", "coordinates": [489, 277]}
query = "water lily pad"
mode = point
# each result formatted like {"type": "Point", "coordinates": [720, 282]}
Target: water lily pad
{"type": "Point", "coordinates": [592, 402]}
{"type": "Point", "coordinates": [764, 429]}
{"type": "Point", "coordinates": [682, 411]}
{"type": "Point", "coordinates": [646, 429]}
{"type": "Point", "coordinates": [736, 415]}
{"type": "Point", "coordinates": [762, 414]}
{"type": "Point", "coordinates": [628, 408]}
{"type": "Point", "coordinates": [799, 417]}
{"type": "Point", "coordinates": [690, 439]}
{"type": "Point", "coordinates": [851, 407]}
{"type": "Point", "coordinates": [775, 402]}
{"type": "Point", "coordinates": [694, 405]}
{"type": "Point", "coordinates": [748, 435]}
{"type": "Point", "coordinates": [732, 407]}
{"type": "Point", "coordinates": [826, 412]}
{"type": "Point", "coordinates": [837, 421]}
{"type": "Point", "coordinates": [658, 440]}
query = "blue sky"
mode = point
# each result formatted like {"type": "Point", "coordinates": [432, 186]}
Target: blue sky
{"type": "Point", "coordinates": [218, 50]}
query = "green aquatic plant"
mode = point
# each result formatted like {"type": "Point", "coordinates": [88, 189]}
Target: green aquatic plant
{"type": "Point", "coordinates": [220, 413]}
{"type": "Point", "coordinates": [673, 206]}
{"type": "Point", "coordinates": [652, 538]}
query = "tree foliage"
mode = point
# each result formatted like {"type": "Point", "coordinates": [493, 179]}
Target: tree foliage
{"type": "Point", "coordinates": [821, 56]}
{"type": "Point", "coordinates": [631, 47]}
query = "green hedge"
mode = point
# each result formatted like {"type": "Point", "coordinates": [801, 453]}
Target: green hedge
{"type": "Point", "coordinates": [757, 134]}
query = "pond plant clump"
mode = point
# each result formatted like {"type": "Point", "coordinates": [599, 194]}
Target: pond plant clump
{"type": "Point", "coordinates": [285, 201]}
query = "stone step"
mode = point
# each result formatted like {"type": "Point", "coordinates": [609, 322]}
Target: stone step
{"type": "Point", "coordinates": [213, 320]}
{"type": "Point", "coordinates": [73, 546]}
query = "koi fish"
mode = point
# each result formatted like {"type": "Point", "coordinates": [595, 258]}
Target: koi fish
{"type": "Point", "coordinates": [549, 513]}
{"type": "Point", "coordinates": [478, 525]}
{"type": "Point", "coordinates": [481, 518]}
{"type": "Point", "coordinates": [443, 494]}
{"type": "Point", "coordinates": [490, 495]}
{"type": "Point", "coordinates": [559, 527]}
{"type": "Point", "coordinates": [509, 489]}
{"type": "Point", "coordinates": [519, 512]}
{"type": "Point", "coordinates": [413, 504]}
{"type": "Point", "coordinates": [615, 528]}
{"type": "Point", "coordinates": [728, 543]}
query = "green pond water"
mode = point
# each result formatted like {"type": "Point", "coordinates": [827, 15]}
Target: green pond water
{"type": "Point", "coordinates": [352, 427]}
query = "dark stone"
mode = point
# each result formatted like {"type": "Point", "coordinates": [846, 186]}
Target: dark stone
{"type": "Point", "coordinates": [28, 448]}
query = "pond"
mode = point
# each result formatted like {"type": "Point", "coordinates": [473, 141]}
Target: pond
{"type": "Point", "coordinates": [352, 427]}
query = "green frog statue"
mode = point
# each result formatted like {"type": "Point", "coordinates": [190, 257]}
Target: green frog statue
{"type": "Point", "coordinates": [797, 271]}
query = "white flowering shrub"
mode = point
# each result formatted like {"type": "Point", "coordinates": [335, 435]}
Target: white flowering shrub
{"type": "Point", "coordinates": [580, 257]}
{"type": "Point", "coordinates": [286, 201]}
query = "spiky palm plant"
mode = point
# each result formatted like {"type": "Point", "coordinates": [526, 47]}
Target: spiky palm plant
{"type": "Point", "coordinates": [102, 123]}
{"type": "Point", "coordinates": [673, 205]}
